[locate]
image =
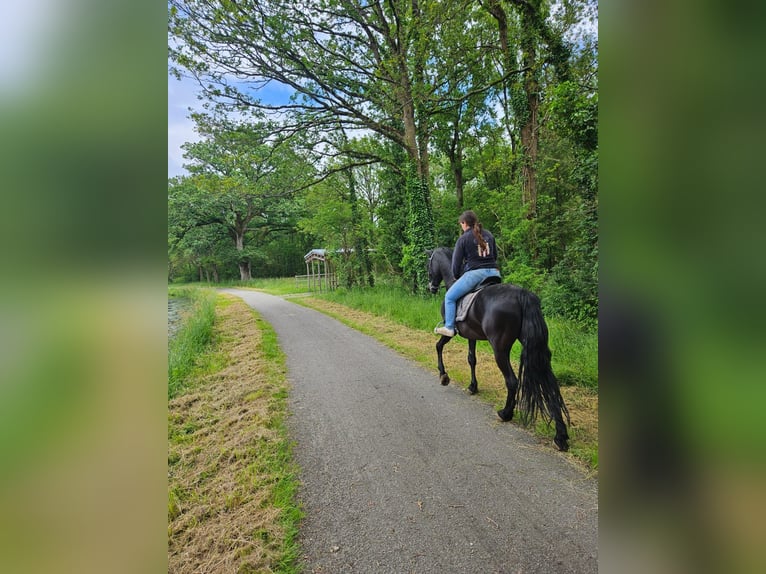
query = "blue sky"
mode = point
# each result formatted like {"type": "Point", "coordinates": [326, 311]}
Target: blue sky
{"type": "Point", "coordinates": [182, 95]}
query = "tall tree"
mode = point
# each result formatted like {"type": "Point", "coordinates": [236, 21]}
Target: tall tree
{"type": "Point", "coordinates": [465, 93]}
{"type": "Point", "coordinates": [536, 44]}
{"type": "Point", "coordinates": [361, 246]}
{"type": "Point", "coordinates": [193, 251]}
{"type": "Point", "coordinates": [420, 78]}
{"type": "Point", "coordinates": [350, 63]}
{"type": "Point", "coordinates": [241, 181]}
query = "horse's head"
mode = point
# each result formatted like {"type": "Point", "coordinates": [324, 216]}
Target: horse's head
{"type": "Point", "coordinates": [435, 271]}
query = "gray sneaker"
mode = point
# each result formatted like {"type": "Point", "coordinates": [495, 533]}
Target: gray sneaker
{"type": "Point", "coordinates": [445, 331]}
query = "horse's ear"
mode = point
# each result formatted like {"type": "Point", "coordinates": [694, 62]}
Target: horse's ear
{"type": "Point", "coordinates": [429, 252]}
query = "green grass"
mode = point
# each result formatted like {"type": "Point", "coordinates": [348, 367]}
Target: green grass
{"type": "Point", "coordinates": [276, 286]}
{"type": "Point", "coordinates": [273, 285]}
{"type": "Point", "coordinates": [575, 353]}
{"type": "Point", "coordinates": [185, 350]}
{"type": "Point", "coordinates": [277, 461]}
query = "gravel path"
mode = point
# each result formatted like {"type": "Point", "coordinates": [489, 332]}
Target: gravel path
{"type": "Point", "coordinates": [400, 474]}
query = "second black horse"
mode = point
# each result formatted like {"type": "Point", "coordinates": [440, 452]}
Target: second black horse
{"type": "Point", "coordinates": [503, 314]}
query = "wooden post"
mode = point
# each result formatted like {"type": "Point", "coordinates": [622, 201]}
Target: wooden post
{"type": "Point", "coordinates": [322, 265]}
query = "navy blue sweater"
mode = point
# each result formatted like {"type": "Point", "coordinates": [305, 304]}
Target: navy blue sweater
{"type": "Point", "coordinates": [466, 256]}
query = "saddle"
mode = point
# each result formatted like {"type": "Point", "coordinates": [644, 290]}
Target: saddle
{"type": "Point", "coordinates": [465, 302]}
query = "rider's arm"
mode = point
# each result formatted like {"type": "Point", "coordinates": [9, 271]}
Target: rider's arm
{"type": "Point", "coordinates": [457, 258]}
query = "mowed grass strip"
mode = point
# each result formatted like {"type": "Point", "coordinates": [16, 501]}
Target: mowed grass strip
{"type": "Point", "coordinates": [417, 345]}
{"type": "Point", "coordinates": [231, 479]}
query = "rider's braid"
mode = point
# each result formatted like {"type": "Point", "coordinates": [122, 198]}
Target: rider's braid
{"type": "Point", "coordinates": [470, 219]}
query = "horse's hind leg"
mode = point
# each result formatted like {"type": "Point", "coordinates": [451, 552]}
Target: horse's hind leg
{"type": "Point", "coordinates": [473, 388]}
{"type": "Point", "coordinates": [443, 376]}
{"type": "Point", "coordinates": [503, 360]}
{"type": "Point", "coordinates": [561, 440]}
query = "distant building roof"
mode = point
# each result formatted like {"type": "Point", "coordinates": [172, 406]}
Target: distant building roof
{"type": "Point", "coordinates": [315, 254]}
{"type": "Point", "coordinates": [321, 254]}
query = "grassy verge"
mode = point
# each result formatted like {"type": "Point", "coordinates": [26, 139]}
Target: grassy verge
{"type": "Point", "coordinates": [194, 335]}
{"type": "Point", "coordinates": [273, 285]}
{"type": "Point", "coordinates": [231, 479]}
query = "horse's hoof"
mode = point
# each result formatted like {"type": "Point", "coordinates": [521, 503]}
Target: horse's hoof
{"type": "Point", "coordinates": [561, 444]}
{"type": "Point", "coordinates": [472, 390]}
{"type": "Point", "coordinates": [444, 380]}
{"type": "Point", "coordinates": [504, 417]}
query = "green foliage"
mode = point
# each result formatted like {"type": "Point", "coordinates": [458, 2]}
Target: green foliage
{"type": "Point", "coordinates": [392, 217]}
{"type": "Point", "coordinates": [327, 215]}
{"type": "Point", "coordinates": [445, 96]}
{"type": "Point", "coordinates": [419, 230]}
{"type": "Point", "coordinates": [334, 218]}
{"type": "Point", "coordinates": [519, 103]}
{"type": "Point", "coordinates": [239, 199]}
{"type": "Point", "coordinates": [572, 290]}
{"type": "Point", "coordinates": [574, 114]}
{"type": "Point", "coordinates": [446, 213]}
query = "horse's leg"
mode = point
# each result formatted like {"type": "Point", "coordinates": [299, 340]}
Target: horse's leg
{"type": "Point", "coordinates": [561, 440]}
{"type": "Point", "coordinates": [473, 388]}
{"type": "Point", "coordinates": [554, 405]}
{"type": "Point", "coordinates": [503, 360]}
{"type": "Point", "coordinates": [443, 377]}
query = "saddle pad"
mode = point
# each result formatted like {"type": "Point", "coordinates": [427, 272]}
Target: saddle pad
{"type": "Point", "coordinates": [464, 304]}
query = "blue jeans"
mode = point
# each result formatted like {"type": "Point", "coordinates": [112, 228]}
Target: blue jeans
{"type": "Point", "coordinates": [465, 284]}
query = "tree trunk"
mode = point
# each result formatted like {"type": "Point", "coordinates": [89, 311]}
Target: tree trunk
{"type": "Point", "coordinates": [244, 263]}
{"type": "Point", "coordinates": [244, 270]}
{"type": "Point", "coordinates": [455, 154]}
{"type": "Point", "coordinates": [530, 129]}
{"type": "Point", "coordinates": [459, 187]}
{"type": "Point", "coordinates": [526, 109]}
{"type": "Point", "coordinates": [410, 131]}
{"type": "Point", "coordinates": [360, 241]}
{"type": "Point", "coordinates": [239, 243]}
{"type": "Point", "coordinates": [420, 226]}
{"type": "Point", "coordinates": [529, 146]}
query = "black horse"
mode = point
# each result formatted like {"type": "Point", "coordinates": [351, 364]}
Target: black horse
{"type": "Point", "coordinates": [503, 314]}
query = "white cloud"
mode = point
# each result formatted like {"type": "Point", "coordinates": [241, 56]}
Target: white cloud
{"type": "Point", "coordinates": [182, 95]}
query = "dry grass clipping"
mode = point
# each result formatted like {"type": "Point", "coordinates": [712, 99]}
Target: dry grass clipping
{"type": "Point", "coordinates": [220, 512]}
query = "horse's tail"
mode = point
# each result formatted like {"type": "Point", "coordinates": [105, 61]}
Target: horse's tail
{"type": "Point", "coordinates": [538, 388]}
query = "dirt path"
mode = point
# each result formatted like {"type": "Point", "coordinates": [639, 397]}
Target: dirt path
{"type": "Point", "coordinates": [400, 474]}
